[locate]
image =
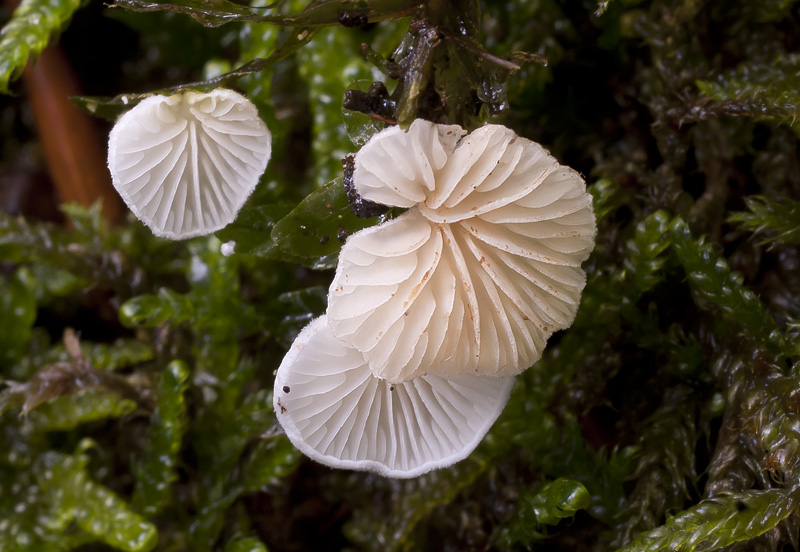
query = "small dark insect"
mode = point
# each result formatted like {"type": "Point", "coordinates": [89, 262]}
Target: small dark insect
{"type": "Point", "coordinates": [324, 240]}
{"type": "Point", "coordinates": [286, 389]}
{"type": "Point", "coordinates": [391, 388]}
{"type": "Point", "coordinates": [353, 19]}
{"type": "Point", "coordinates": [361, 207]}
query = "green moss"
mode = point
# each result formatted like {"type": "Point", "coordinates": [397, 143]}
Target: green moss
{"type": "Point", "coordinates": [28, 32]}
{"type": "Point", "coordinates": [665, 418]}
{"type": "Point", "coordinates": [719, 522]}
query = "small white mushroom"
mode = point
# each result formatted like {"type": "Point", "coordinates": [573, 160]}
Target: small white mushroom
{"type": "Point", "coordinates": [481, 270]}
{"type": "Point", "coordinates": [336, 412]}
{"type": "Point", "coordinates": [186, 163]}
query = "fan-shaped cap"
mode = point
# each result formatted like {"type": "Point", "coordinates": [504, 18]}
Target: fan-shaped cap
{"type": "Point", "coordinates": [186, 163]}
{"type": "Point", "coordinates": [480, 272]}
{"type": "Point", "coordinates": [336, 412]}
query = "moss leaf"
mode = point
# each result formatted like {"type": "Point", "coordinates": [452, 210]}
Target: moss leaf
{"type": "Point", "coordinates": [718, 522]}
{"type": "Point", "coordinates": [167, 428]}
{"type": "Point", "coordinates": [68, 412]}
{"type": "Point", "coordinates": [28, 32]}
{"type": "Point", "coordinates": [775, 221]}
{"type": "Point", "coordinates": [94, 508]}
{"type": "Point", "coordinates": [713, 282]}
{"type": "Point", "coordinates": [551, 503]}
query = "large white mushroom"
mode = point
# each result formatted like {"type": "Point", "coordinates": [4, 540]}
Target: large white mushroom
{"type": "Point", "coordinates": [480, 271]}
{"type": "Point", "coordinates": [186, 163]}
{"type": "Point", "coordinates": [335, 411]}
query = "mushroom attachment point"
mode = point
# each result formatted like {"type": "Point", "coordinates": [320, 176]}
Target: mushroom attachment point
{"type": "Point", "coordinates": [336, 412]}
{"type": "Point", "coordinates": [483, 267]}
{"type": "Point", "coordinates": [186, 163]}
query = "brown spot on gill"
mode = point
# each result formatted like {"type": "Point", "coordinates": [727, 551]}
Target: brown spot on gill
{"type": "Point", "coordinates": [418, 287]}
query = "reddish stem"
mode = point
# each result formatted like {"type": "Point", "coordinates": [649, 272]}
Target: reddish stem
{"type": "Point", "coordinates": [74, 152]}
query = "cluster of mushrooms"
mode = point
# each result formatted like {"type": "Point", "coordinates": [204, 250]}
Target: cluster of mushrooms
{"type": "Point", "coordinates": [431, 314]}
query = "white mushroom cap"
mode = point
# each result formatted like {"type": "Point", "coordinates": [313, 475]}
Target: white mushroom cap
{"type": "Point", "coordinates": [336, 412]}
{"type": "Point", "coordinates": [480, 273]}
{"type": "Point", "coordinates": [186, 163]}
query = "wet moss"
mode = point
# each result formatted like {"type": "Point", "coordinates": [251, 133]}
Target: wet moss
{"type": "Point", "coordinates": [665, 418]}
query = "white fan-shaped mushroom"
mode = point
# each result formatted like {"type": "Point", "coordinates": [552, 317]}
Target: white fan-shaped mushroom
{"type": "Point", "coordinates": [480, 273]}
{"type": "Point", "coordinates": [186, 163]}
{"type": "Point", "coordinates": [336, 412]}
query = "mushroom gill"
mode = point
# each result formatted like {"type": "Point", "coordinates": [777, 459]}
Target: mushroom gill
{"type": "Point", "coordinates": [186, 163]}
{"type": "Point", "coordinates": [336, 412]}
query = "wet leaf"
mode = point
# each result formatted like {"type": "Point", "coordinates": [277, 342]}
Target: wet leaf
{"type": "Point", "coordinates": [156, 472]}
{"type": "Point", "coordinates": [28, 32]}
{"type": "Point", "coordinates": [718, 522]}
{"type": "Point", "coordinates": [68, 412]}
{"type": "Point", "coordinates": [151, 310]}
{"type": "Point", "coordinates": [713, 282]}
{"type": "Point", "coordinates": [316, 229]}
{"type": "Point", "coordinates": [252, 229]}
{"type": "Point", "coordinates": [94, 508]}
{"type": "Point", "coordinates": [553, 502]}
{"type": "Point", "coordinates": [270, 461]}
